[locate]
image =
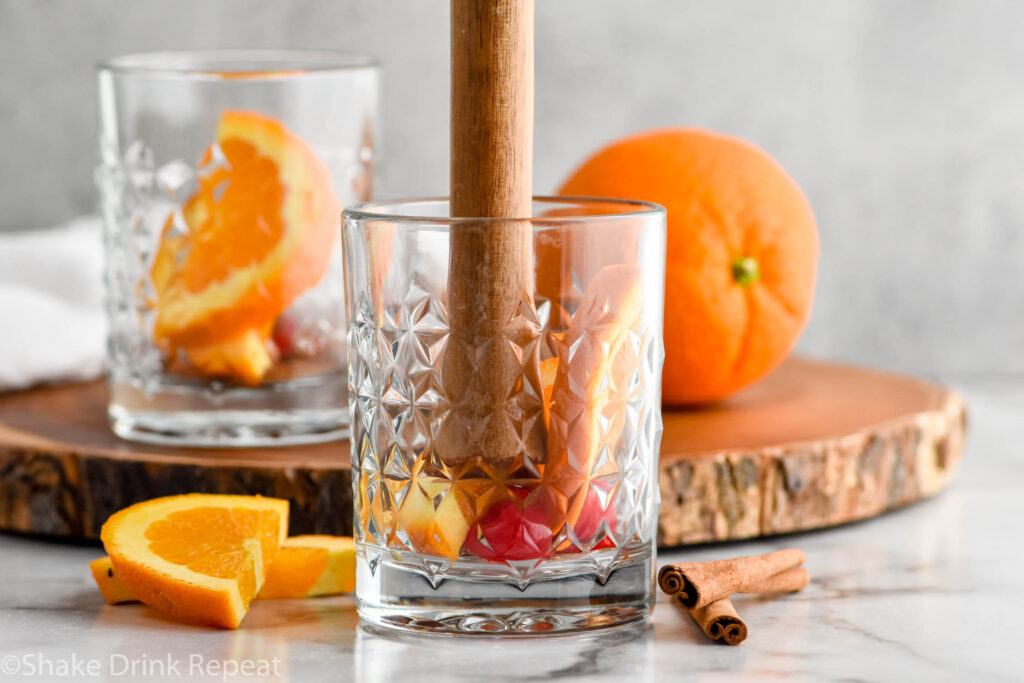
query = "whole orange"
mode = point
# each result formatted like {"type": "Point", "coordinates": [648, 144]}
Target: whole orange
{"type": "Point", "coordinates": [741, 257]}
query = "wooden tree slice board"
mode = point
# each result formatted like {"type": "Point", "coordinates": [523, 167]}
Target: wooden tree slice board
{"type": "Point", "coordinates": [815, 444]}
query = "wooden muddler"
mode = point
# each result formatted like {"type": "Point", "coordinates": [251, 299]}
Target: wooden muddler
{"type": "Point", "coordinates": [491, 366]}
{"type": "Point", "coordinates": [696, 584]}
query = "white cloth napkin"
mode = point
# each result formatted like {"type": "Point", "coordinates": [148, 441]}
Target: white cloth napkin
{"type": "Point", "coordinates": [52, 325]}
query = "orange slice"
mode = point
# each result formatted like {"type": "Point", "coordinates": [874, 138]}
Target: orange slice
{"type": "Point", "coordinates": [259, 230]}
{"type": "Point", "coordinates": [307, 566]}
{"type": "Point", "coordinates": [304, 567]}
{"type": "Point", "coordinates": [245, 359]}
{"type": "Point", "coordinates": [110, 584]}
{"type": "Point", "coordinates": [594, 364]}
{"type": "Point", "coordinates": [198, 557]}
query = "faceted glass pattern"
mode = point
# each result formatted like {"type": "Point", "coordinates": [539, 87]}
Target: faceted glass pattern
{"type": "Point", "coordinates": [159, 114]}
{"type": "Point", "coordinates": [576, 494]}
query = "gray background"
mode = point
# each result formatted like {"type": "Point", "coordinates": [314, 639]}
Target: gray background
{"type": "Point", "coordinates": [902, 119]}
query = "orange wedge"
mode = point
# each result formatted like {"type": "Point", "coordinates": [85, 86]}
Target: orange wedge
{"type": "Point", "coordinates": [258, 232]}
{"type": "Point", "coordinates": [594, 364]}
{"type": "Point", "coordinates": [198, 557]}
{"type": "Point", "coordinates": [111, 586]}
{"type": "Point", "coordinates": [246, 358]}
{"type": "Point", "coordinates": [304, 567]}
{"type": "Point", "coordinates": [307, 566]}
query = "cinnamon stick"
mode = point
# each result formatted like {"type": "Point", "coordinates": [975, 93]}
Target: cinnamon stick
{"type": "Point", "coordinates": [719, 619]}
{"type": "Point", "coordinates": [703, 588]}
{"type": "Point", "coordinates": [491, 366]}
{"type": "Point", "coordinates": [788, 581]}
{"type": "Point", "coordinates": [720, 622]}
{"type": "Point", "coordinates": [671, 580]}
{"type": "Point", "coordinates": [705, 582]}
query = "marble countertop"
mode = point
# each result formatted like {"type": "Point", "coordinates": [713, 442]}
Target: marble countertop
{"type": "Point", "coordinates": [926, 593]}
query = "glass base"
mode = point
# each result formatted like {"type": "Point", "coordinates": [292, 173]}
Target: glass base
{"type": "Point", "coordinates": [282, 414]}
{"type": "Point", "coordinates": [230, 430]}
{"type": "Point", "coordinates": [565, 596]}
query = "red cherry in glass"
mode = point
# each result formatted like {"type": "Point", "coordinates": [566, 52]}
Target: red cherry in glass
{"type": "Point", "coordinates": [296, 337]}
{"type": "Point", "coordinates": [511, 531]}
{"type": "Point", "coordinates": [284, 335]}
{"type": "Point", "coordinates": [592, 515]}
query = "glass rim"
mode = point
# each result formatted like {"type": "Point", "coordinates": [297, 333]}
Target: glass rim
{"type": "Point", "coordinates": [216, 64]}
{"type": "Point", "coordinates": [372, 210]}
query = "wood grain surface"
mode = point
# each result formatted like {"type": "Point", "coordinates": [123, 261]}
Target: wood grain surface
{"type": "Point", "coordinates": [814, 445]}
{"type": "Point", "coordinates": [63, 472]}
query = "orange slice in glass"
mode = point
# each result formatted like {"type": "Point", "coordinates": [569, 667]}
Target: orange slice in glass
{"type": "Point", "coordinates": [198, 557]}
{"type": "Point", "coordinates": [258, 232]}
{"type": "Point", "coordinates": [585, 408]}
{"type": "Point", "coordinates": [245, 359]}
{"type": "Point", "coordinates": [548, 372]}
